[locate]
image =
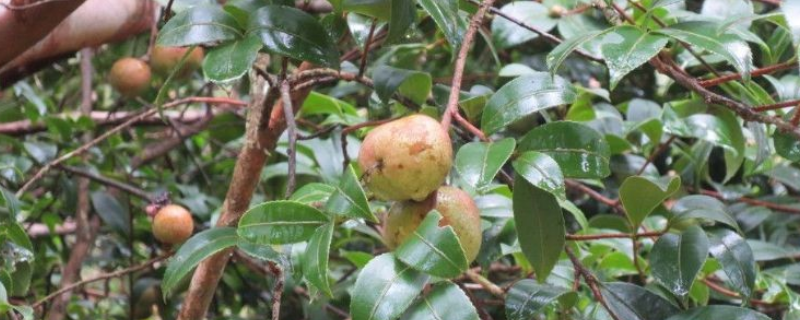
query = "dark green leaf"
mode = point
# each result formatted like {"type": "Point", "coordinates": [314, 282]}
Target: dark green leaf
{"type": "Point", "coordinates": [314, 194]}
{"type": "Point", "coordinates": [111, 211]}
{"type": "Point", "coordinates": [540, 226]}
{"type": "Point", "coordinates": [560, 53]}
{"type": "Point", "coordinates": [640, 195]}
{"type": "Point", "coordinates": [703, 35]}
{"type": "Point", "coordinates": [315, 260]}
{"type": "Point", "coordinates": [626, 48]}
{"type": "Point", "coordinates": [399, 13]}
{"type": "Point", "coordinates": [541, 171]}
{"type": "Point", "coordinates": [677, 258]}
{"type": "Point", "coordinates": [507, 34]}
{"type": "Point", "coordinates": [445, 301]}
{"type": "Point", "coordinates": [384, 289]}
{"type": "Point", "coordinates": [232, 60]}
{"type": "Point", "coordinates": [349, 199]}
{"type": "Point", "coordinates": [527, 298]}
{"type": "Point", "coordinates": [479, 162]}
{"type": "Point", "coordinates": [195, 250]}
{"type": "Point", "coordinates": [702, 207]}
{"type": "Point", "coordinates": [631, 302]}
{"type": "Point", "coordinates": [414, 85]}
{"type": "Point", "coordinates": [204, 24]}
{"type": "Point", "coordinates": [280, 222]}
{"type": "Point", "coordinates": [293, 33]}
{"type": "Point", "coordinates": [433, 249]}
{"type": "Point", "coordinates": [524, 96]}
{"type": "Point", "coordinates": [787, 146]}
{"type": "Point", "coordinates": [736, 257]}
{"type": "Point", "coordinates": [445, 13]}
{"type": "Point", "coordinates": [718, 313]}
{"type": "Point", "coordinates": [580, 151]}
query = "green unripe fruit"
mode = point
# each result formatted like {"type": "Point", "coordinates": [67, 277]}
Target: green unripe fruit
{"type": "Point", "coordinates": [164, 59]}
{"type": "Point", "coordinates": [406, 159]}
{"type": "Point", "coordinates": [129, 76]}
{"type": "Point", "coordinates": [458, 211]}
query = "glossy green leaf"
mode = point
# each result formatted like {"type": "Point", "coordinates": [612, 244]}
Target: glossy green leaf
{"type": "Point", "coordinates": [445, 14]}
{"type": "Point", "coordinates": [9, 205]}
{"type": "Point", "coordinates": [293, 33]}
{"type": "Point", "coordinates": [703, 35]}
{"type": "Point", "coordinates": [111, 211]}
{"type": "Point", "coordinates": [640, 195]}
{"type": "Point", "coordinates": [632, 302]}
{"type": "Point", "coordinates": [444, 301]}
{"type": "Point", "coordinates": [315, 194]}
{"type": "Point", "coordinates": [384, 289]}
{"type": "Point", "coordinates": [280, 222]}
{"type": "Point", "coordinates": [736, 257]}
{"type": "Point", "coordinates": [204, 24]}
{"type": "Point", "coordinates": [787, 146]}
{"type": "Point", "coordinates": [414, 85]}
{"type": "Point", "coordinates": [526, 299]}
{"type": "Point", "coordinates": [479, 162]}
{"type": "Point", "coordinates": [560, 53]}
{"type": "Point", "coordinates": [400, 14]}
{"type": "Point", "coordinates": [232, 60]}
{"type": "Point", "coordinates": [719, 312]}
{"type": "Point", "coordinates": [507, 34]}
{"type": "Point", "coordinates": [677, 258]}
{"type": "Point", "coordinates": [349, 199]}
{"type": "Point", "coordinates": [17, 251]}
{"type": "Point", "coordinates": [541, 171]}
{"type": "Point", "coordinates": [540, 226]}
{"type": "Point", "coordinates": [433, 249]}
{"type": "Point", "coordinates": [580, 151]}
{"type": "Point", "coordinates": [315, 259]}
{"type": "Point", "coordinates": [626, 48]}
{"type": "Point", "coordinates": [195, 250]}
{"type": "Point", "coordinates": [704, 208]}
{"type": "Point", "coordinates": [321, 104]}
{"type": "Point", "coordinates": [524, 96]}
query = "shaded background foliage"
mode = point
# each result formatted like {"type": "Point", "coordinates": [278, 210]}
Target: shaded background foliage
{"type": "Point", "coordinates": [631, 160]}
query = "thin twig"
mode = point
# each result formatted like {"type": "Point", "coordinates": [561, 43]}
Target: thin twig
{"type": "Point", "coordinates": [144, 195]}
{"type": "Point", "coordinates": [661, 148]}
{"type": "Point", "coordinates": [471, 128]}
{"type": "Point", "coordinates": [591, 281]}
{"type": "Point", "coordinates": [277, 292]}
{"type": "Point", "coordinates": [485, 283]}
{"type": "Point", "coordinates": [85, 147]}
{"type": "Point", "coordinates": [364, 55]}
{"type": "Point", "coordinates": [291, 130]}
{"type": "Point", "coordinates": [791, 64]}
{"type": "Point", "coordinates": [776, 106]}
{"type": "Point", "coordinates": [590, 237]}
{"type": "Point", "coordinates": [102, 277]}
{"type": "Point", "coordinates": [461, 61]}
{"type": "Point", "coordinates": [755, 202]}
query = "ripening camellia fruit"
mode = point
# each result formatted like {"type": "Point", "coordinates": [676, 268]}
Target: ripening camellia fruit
{"type": "Point", "coordinates": [173, 224]}
{"type": "Point", "coordinates": [458, 211]}
{"type": "Point", "coordinates": [406, 159]}
{"type": "Point", "coordinates": [164, 59]}
{"type": "Point", "coordinates": [129, 76]}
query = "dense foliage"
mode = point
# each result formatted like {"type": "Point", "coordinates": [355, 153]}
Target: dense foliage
{"type": "Point", "coordinates": [630, 160]}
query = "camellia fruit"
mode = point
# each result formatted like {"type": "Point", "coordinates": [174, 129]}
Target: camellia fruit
{"type": "Point", "coordinates": [406, 159]}
{"type": "Point", "coordinates": [164, 59]}
{"type": "Point", "coordinates": [458, 211]}
{"type": "Point", "coordinates": [129, 76]}
{"type": "Point", "coordinates": [173, 224]}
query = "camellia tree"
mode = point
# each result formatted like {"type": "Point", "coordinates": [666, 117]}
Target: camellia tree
{"type": "Point", "coordinates": [400, 159]}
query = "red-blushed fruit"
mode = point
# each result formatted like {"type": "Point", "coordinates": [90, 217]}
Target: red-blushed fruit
{"type": "Point", "coordinates": [406, 159]}
{"type": "Point", "coordinates": [129, 76]}
{"type": "Point", "coordinates": [164, 59]}
{"type": "Point", "coordinates": [458, 211]}
{"type": "Point", "coordinates": [173, 224]}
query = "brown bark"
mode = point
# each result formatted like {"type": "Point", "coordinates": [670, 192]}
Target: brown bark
{"type": "Point", "coordinates": [262, 137]}
{"type": "Point", "coordinates": [94, 23]}
{"type": "Point", "coordinates": [21, 29]}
